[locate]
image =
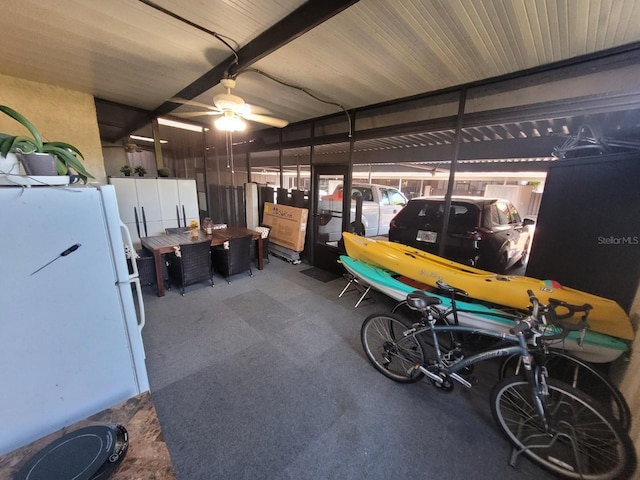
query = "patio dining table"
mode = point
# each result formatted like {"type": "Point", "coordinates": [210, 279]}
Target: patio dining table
{"type": "Point", "coordinates": [160, 244]}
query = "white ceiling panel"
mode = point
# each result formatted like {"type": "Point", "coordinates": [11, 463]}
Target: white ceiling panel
{"type": "Point", "coordinates": [124, 50]}
{"type": "Point", "coordinates": [378, 50]}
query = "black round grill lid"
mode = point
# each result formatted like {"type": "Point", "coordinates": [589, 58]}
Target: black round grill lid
{"type": "Point", "coordinates": [77, 455]}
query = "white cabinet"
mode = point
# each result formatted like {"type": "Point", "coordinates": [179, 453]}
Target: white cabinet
{"type": "Point", "coordinates": [149, 205]}
{"type": "Point", "coordinates": [178, 202]}
{"type": "Point", "coordinates": [139, 206]}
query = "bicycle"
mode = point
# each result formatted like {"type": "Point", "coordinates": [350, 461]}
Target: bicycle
{"type": "Point", "coordinates": [547, 349]}
{"type": "Point", "coordinates": [568, 368]}
{"type": "Point", "coordinates": [554, 424]}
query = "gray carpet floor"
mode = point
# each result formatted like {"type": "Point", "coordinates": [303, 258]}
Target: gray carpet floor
{"type": "Point", "coordinates": [265, 378]}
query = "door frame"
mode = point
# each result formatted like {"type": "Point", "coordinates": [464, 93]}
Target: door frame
{"type": "Point", "coordinates": [322, 255]}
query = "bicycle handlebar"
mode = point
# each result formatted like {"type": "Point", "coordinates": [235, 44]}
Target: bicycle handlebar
{"type": "Point", "coordinates": [562, 320]}
{"type": "Point", "coordinates": [549, 312]}
{"type": "Point", "coordinates": [540, 314]}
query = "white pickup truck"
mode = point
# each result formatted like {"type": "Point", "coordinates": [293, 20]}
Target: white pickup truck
{"type": "Point", "coordinates": [380, 204]}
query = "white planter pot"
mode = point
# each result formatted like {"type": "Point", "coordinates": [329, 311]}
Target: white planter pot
{"type": "Point", "coordinates": [10, 165]}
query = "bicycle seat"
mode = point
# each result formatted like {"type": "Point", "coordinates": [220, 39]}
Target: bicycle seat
{"type": "Point", "coordinates": [418, 300]}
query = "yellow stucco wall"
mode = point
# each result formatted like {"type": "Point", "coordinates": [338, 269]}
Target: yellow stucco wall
{"type": "Point", "coordinates": [59, 114]}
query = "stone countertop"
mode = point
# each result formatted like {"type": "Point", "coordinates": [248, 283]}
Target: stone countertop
{"type": "Point", "coordinates": [147, 457]}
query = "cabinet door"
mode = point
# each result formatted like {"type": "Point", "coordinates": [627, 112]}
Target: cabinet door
{"type": "Point", "coordinates": [188, 199]}
{"type": "Point", "coordinates": [148, 198]}
{"type": "Point", "coordinates": [170, 203]}
{"type": "Point", "coordinates": [155, 228]}
{"type": "Point", "coordinates": [127, 198]}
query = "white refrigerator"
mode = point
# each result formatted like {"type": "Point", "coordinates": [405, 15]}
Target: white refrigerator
{"type": "Point", "coordinates": [72, 314]}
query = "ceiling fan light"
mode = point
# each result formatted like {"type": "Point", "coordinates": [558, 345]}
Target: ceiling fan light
{"type": "Point", "coordinates": [230, 123]}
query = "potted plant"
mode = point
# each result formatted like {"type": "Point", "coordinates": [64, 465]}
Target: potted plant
{"type": "Point", "coordinates": [35, 153]}
{"type": "Point", "coordinates": [140, 170]}
{"type": "Point", "coordinates": [126, 170]}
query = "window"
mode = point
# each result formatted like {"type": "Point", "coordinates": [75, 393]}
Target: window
{"type": "Point", "coordinates": [384, 200]}
{"type": "Point", "coordinates": [514, 217]}
{"type": "Point", "coordinates": [503, 213]}
{"type": "Point", "coordinates": [363, 192]}
{"type": "Point", "coordinates": [396, 198]}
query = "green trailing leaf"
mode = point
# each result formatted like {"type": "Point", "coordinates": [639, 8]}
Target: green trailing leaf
{"type": "Point", "coordinates": [26, 123]}
{"type": "Point", "coordinates": [5, 144]}
{"type": "Point", "coordinates": [23, 145]}
{"type": "Point", "coordinates": [68, 158]}
{"type": "Point", "coordinates": [66, 146]}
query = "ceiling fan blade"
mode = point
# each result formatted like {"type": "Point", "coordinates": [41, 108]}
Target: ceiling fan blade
{"type": "Point", "coordinates": [256, 109]}
{"type": "Point", "coordinates": [195, 114]}
{"type": "Point", "coordinates": [271, 121]}
{"type": "Point", "coordinates": [192, 103]}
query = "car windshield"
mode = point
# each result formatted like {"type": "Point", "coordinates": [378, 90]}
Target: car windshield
{"type": "Point", "coordinates": [430, 214]}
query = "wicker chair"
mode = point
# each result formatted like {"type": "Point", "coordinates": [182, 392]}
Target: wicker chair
{"type": "Point", "coordinates": [147, 268]}
{"type": "Point", "coordinates": [193, 265]}
{"type": "Point", "coordinates": [235, 259]}
{"type": "Point", "coordinates": [169, 231]}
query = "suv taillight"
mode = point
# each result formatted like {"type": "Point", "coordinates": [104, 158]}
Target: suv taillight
{"type": "Point", "coordinates": [483, 233]}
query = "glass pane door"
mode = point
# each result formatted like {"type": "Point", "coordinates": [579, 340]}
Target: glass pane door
{"type": "Point", "coordinates": [327, 218]}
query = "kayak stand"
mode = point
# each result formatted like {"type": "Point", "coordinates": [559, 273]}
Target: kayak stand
{"type": "Point", "coordinates": [358, 285]}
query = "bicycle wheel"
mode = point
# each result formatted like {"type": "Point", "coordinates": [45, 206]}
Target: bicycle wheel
{"type": "Point", "coordinates": [389, 350]}
{"type": "Point", "coordinates": [581, 375]}
{"type": "Point", "coordinates": [583, 442]}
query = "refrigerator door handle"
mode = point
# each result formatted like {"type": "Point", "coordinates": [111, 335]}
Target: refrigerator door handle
{"type": "Point", "coordinates": [138, 288]}
{"type": "Point", "coordinates": [133, 277]}
{"type": "Point", "coordinates": [178, 215]}
{"type": "Point", "coordinates": [184, 216]}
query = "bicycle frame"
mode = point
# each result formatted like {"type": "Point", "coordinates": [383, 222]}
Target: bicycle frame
{"type": "Point", "coordinates": [519, 346]}
{"type": "Point", "coordinates": [462, 363]}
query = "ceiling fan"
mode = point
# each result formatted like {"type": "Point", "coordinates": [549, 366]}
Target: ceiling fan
{"type": "Point", "coordinates": [233, 110]}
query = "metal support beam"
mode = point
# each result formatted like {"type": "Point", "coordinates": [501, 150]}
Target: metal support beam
{"type": "Point", "coordinates": [306, 17]}
{"type": "Point", "coordinates": [452, 172]}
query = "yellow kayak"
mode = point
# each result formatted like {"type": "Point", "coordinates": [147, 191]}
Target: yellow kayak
{"type": "Point", "coordinates": [508, 290]}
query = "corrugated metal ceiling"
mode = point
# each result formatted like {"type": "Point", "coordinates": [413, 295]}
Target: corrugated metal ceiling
{"type": "Point", "coordinates": [127, 52]}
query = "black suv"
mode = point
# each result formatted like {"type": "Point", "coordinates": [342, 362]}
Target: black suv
{"type": "Point", "coordinates": [487, 233]}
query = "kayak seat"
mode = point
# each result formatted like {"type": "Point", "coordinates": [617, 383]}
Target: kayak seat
{"type": "Point", "coordinates": [418, 300]}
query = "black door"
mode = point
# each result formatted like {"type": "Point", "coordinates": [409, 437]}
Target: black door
{"type": "Point", "coordinates": [326, 215]}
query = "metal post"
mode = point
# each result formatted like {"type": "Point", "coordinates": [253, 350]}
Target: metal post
{"type": "Point", "coordinates": [452, 171]}
{"type": "Point", "coordinates": [280, 158]}
{"type": "Point", "coordinates": [157, 147]}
